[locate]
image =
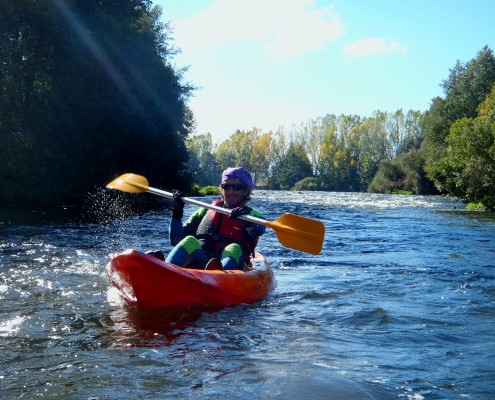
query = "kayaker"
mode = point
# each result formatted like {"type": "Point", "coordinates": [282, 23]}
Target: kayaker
{"type": "Point", "coordinates": [212, 240]}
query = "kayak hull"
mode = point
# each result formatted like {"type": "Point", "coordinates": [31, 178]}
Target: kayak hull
{"type": "Point", "coordinates": [149, 283]}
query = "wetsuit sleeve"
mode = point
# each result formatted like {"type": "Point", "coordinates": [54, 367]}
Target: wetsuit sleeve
{"type": "Point", "coordinates": [255, 230]}
{"type": "Point", "coordinates": [178, 231]}
{"type": "Point", "coordinates": [175, 231]}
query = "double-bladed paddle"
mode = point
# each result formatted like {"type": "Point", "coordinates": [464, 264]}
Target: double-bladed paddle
{"type": "Point", "coordinates": [293, 231]}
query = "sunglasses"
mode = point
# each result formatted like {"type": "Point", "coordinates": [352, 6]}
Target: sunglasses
{"type": "Point", "coordinates": [235, 186]}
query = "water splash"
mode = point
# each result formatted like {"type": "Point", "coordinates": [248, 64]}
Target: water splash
{"type": "Point", "coordinates": [11, 326]}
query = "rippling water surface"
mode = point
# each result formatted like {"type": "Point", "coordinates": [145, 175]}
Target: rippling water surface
{"type": "Point", "coordinates": [399, 305]}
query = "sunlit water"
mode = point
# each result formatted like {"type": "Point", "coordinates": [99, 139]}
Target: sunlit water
{"type": "Point", "coordinates": [399, 305]}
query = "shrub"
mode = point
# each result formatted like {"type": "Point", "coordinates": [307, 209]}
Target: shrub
{"type": "Point", "coordinates": [209, 191]}
{"type": "Point", "coordinates": [308, 183]}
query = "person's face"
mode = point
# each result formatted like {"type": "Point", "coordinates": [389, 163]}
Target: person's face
{"type": "Point", "coordinates": [234, 191]}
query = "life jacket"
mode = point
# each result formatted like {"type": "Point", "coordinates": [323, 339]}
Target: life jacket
{"type": "Point", "coordinates": [216, 231]}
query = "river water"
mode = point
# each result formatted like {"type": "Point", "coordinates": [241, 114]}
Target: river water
{"type": "Point", "coordinates": [400, 304]}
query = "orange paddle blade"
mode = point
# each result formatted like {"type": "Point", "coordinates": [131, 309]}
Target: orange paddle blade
{"type": "Point", "coordinates": [130, 183]}
{"type": "Point", "coordinates": [299, 233]}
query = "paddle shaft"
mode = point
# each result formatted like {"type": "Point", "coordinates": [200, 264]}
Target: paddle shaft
{"type": "Point", "coordinates": [198, 203]}
{"type": "Point", "coordinates": [276, 225]}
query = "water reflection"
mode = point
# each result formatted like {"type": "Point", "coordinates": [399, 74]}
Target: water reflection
{"type": "Point", "coordinates": [129, 326]}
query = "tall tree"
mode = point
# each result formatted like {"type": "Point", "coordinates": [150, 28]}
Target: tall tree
{"type": "Point", "coordinates": [202, 165]}
{"type": "Point", "coordinates": [465, 89]}
{"type": "Point", "coordinates": [279, 146]}
{"type": "Point", "coordinates": [469, 161]}
{"type": "Point", "coordinates": [87, 91]}
{"type": "Point", "coordinates": [331, 159]}
{"type": "Point", "coordinates": [237, 150]}
{"type": "Point", "coordinates": [278, 151]}
{"type": "Point", "coordinates": [314, 133]}
{"type": "Point", "coordinates": [295, 166]}
{"type": "Point", "coordinates": [260, 157]}
{"type": "Point", "coordinates": [225, 154]}
{"type": "Point", "coordinates": [414, 132]}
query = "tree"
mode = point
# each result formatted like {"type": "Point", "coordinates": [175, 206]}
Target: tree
{"type": "Point", "coordinates": [414, 132]}
{"type": "Point", "coordinates": [313, 138]}
{"type": "Point", "coordinates": [202, 165]}
{"type": "Point", "coordinates": [465, 89]}
{"type": "Point", "coordinates": [404, 132]}
{"type": "Point", "coordinates": [373, 146]}
{"type": "Point", "coordinates": [260, 157]}
{"type": "Point", "coordinates": [388, 178]}
{"type": "Point", "coordinates": [292, 169]}
{"type": "Point", "coordinates": [469, 161]}
{"type": "Point", "coordinates": [225, 154]}
{"type": "Point", "coordinates": [279, 146]}
{"type": "Point", "coordinates": [404, 172]}
{"type": "Point", "coordinates": [236, 151]}
{"type": "Point", "coordinates": [76, 107]}
{"type": "Point", "coordinates": [346, 153]}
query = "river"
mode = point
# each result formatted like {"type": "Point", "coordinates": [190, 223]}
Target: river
{"type": "Point", "coordinates": [400, 304]}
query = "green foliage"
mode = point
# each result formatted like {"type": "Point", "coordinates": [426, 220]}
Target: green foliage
{"type": "Point", "coordinates": [459, 146]}
{"type": "Point", "coordinates": [202, 165]}
{"type": "Point", "coordinates": [468, 166]}
{"type": "Point", "coordinates": [343, 153]}
{"type": "Point", "coordinates": [404, 173]}
{"type": "Point", "coordinates": [87, 92]}
{"type": "Point", "coordinates": [476, 207]}
{"type": "Point", "coordinates": [308, 183]}
{"type": "Point", "coordinates": [294, 167]}
{"type": "Point", "coordinates": [197, 190]}
{"type": "Point", "coordinates": [210, 191]}
{"type": "Point", "coordinates": [388, 178]}
{"type": "Point", "coordinates": [402, 192]}
{"type": "Point", "coordinates": [237, 150]}
{"type": "Point", "coordinates": [339, 165]}
{"type": "Point", "coordinates": [261, 157]}
{"type": "Point", "coordinates": [466, 88]}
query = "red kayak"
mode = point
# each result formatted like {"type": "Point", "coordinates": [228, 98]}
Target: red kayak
{"type": "Point", "coordinates": [148, 283]}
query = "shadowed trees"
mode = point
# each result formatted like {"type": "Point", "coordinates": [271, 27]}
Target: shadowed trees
{"type": "Point", "coordinates": [87, 92]}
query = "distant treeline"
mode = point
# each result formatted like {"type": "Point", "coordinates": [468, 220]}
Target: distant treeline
{"type": "Point", "coordinates": [334, 153]}
{"type": "Point", "coordinates": [448, 149]}
{"type": "Point", "coordinates": [88, 91]}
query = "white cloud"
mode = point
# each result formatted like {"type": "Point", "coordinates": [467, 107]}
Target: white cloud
{"type": "Point", "coordinates": [374, 46]}
{"type": "Point", "coordinates": [283, 28]}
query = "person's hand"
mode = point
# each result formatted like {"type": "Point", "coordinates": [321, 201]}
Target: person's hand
{"type": "Point", "coordinates": [177, 196]}
{"type": "Point", "coordinates": [238, 211]}
{"type": "Point", "coordinates": [251, 228]}
{"type": "Point", "coordinates": [178, 210]}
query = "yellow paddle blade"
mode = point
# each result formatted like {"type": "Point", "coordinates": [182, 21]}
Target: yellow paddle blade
{"type": "Point", "coordinates": [130, 183]}
{"type": "Point", "coordinates": [299, 233]}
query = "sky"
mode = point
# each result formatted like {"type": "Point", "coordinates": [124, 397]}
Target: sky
{"type": "Point", "coordinates": [278, 63]}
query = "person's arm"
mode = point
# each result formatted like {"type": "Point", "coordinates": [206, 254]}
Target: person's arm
{"type": "Point", "coordinates": [175, 229]}
{"type": "Point", "coordinates": [178, 231]}
{"type": "Point", "coordinates": [254, 230]}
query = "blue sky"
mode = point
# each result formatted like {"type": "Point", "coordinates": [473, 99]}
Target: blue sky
{"type": "Point", "coordinates": [273, 63]}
